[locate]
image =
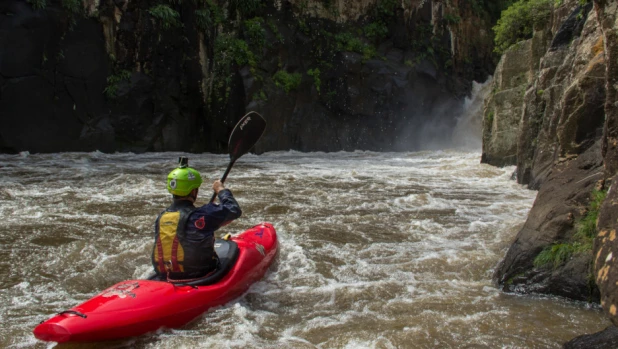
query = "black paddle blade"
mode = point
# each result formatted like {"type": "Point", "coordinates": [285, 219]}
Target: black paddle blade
{"type": "Point", "coordinates": [246, 133]}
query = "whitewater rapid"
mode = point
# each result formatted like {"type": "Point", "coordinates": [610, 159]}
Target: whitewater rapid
{"type": "Point", "coordinates": [377, 250]}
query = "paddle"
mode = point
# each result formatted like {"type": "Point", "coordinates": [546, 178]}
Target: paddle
{"type": "Point", "coordinates": [245, 134]}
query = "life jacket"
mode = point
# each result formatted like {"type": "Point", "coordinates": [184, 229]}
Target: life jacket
{"type": "Point", "coordinates": [174, 253]}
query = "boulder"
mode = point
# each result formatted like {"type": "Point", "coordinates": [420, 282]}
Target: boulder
{"type": "Point", "coordinates": [606, 339]}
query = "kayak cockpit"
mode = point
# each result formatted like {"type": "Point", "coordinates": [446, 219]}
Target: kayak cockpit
{"type": "Point", "coordinates": [227, 251]}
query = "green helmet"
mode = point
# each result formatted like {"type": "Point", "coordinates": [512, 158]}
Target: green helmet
{"type": "Point", "coordinates": [183, 180]}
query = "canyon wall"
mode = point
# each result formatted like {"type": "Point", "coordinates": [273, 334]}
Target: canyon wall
{"type": "Point", "coordinates": [137, 75]}
{"type": "Point", "coordinates": [552, 113]}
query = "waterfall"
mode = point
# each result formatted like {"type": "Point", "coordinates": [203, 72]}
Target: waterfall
{"type": "Point", "coordinates": [469, 128]}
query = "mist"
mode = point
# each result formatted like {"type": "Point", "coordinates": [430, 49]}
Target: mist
{"type": "Point", "coordinates": [452, 124]}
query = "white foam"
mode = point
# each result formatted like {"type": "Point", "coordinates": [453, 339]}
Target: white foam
{"type": "Point", "coordinates": [364, 237]}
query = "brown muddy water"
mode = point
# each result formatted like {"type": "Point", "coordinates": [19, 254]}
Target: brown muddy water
{"type": "Point", "coordinates": [377, 250]}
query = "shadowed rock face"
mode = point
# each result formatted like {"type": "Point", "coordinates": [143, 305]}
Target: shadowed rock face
{"type": "Point", "coordinates": [55, 67]}
{"type": "Point", "coordinates": [113, 78]}
{"type": "Point", "coordinates": [567, 147]}
{"type": "Point", "coordinates": [47, 71]}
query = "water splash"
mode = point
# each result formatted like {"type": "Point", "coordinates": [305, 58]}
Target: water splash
{"type": "Point", "coordinates": [468, 131]}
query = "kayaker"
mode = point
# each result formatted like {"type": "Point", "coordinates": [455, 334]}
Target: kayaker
{"type": "Point", "coordinates": [184, 233]}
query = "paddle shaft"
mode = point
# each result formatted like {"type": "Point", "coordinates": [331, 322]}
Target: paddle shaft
{"type": "Point", "coordinates": [227, 171]}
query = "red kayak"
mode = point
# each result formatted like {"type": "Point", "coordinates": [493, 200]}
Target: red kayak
{"type": "Point", "coordinates": [134, 307]}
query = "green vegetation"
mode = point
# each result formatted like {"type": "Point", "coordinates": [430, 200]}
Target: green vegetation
{"type": "Point", "coordinates": [113, 81]}
{"type": "Point", "coordinates": [273, 27]}
{"type": "Point", "coordinates": [238, 51]}
{"type": "Point", "coordinates": [37, 4]}
{"type": "Point", "coordinates": [582, 3]}
{"type": "Point", "coordinates": [260, 96]}
{"type": "Point", "coordinates": [303, 27]}
{"type": "Point", "coordinates": [315, 74]}
{"type": "Point", "coordinates": [518, 21]}
{"type": "Point", "coordinates": [512, 278]}
{"type": "Point", "coordinates": [73, 6]}
{"type": "Point", "coordinates": [385, 9]}
{"type": "Point", "coordinates": [423, 45]}
{"type": "Point", "coordinates": [229, 50]}
{"type": "Point", "coordinates": [255, 34]}
{"type": "Point", "coordinates": [348, 42]}
{"type": "Point", "coordinates": [477, 7]}
{"type": "Point", "coordinates": [558, 254]}
{"type": "Point", "coordinates": [587, 226]}
{"type": "Point", "coordinates": [287, 81]}
{"type": "Point", "coordinates": [452, 19]}
{"type": "Point", "coordinates": [168, 17]}
{"type": "Point", "coordinates": [490, 117]}
{"type": "Point", "coordinates": [492, 7]}
{"type": "Point", "coordinates": [208, 16]}
{"type": "Point", "coordinates": [244, 8]}
{"type": "Point", "coordinates": [381, 15]}
{"type": "Point", "coordinates": [203, 19]}
{"type": "Point", "coordinates": [375, 31]}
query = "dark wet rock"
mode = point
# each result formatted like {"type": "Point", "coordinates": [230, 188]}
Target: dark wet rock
{"type": "Point", "coordinates": [572, 27]}
{"type": "Point", "coordinates": [606, 339]}
{"type": "Point", "coordinates": [560, 202]}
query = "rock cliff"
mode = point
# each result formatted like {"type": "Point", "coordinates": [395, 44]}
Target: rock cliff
{"type": "Point", "coordinates": [606, 273]}
{"type": "Point", "coordinates": [552, 113]}
{"type": "Point", "coordinates": [137, 75]}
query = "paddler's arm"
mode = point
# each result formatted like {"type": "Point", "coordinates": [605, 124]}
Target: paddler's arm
{"type": "Point", "coordinates": [229, 209]}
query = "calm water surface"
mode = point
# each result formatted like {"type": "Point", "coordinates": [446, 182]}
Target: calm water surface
{"type": "Point", "coordinates": [377, 250]}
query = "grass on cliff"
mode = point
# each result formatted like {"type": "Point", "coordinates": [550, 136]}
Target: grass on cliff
{"type": "Point", "coordinates": [558, 254]}
{"type": "Point", "coordinates": [517, 22]}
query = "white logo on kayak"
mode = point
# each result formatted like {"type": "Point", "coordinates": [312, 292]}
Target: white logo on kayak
{"type": "Point", "coordinates": [244, 123]}
{"type": "Point", "coordinates": [122, 290]}
{"type": "Point", "coordinates": [260, 249]}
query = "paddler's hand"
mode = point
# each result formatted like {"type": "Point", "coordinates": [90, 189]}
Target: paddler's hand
{"type": "Point", "coordinates": [217, 186]}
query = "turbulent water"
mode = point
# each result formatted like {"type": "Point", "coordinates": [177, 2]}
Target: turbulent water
{"type": "Point", "coordinates": [377, 250]}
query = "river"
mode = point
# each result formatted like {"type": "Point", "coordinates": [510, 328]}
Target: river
{"type": "Point", "coordinates": [377, 250]}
